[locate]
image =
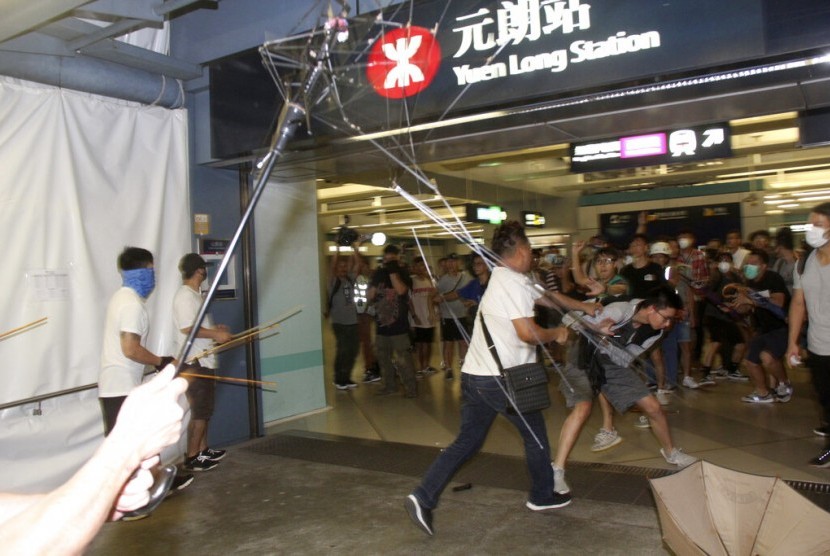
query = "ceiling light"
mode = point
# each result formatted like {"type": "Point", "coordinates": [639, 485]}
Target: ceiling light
{"type": "Point", "coordinates": [776, 211]}
{"type": "Point", "coordinates": [378, 239]}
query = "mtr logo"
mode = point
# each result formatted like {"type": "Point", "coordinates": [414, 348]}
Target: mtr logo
{"type": "Point", "coordinates": [403, 62]}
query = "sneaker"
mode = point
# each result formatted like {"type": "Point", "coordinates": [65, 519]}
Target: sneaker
{"type": "Point", "coordinates": [341, 386]}
{"type": "Point", "coordinates": [421, 516]}
{"type": "Point", "coordinates": [430, 371]}
{"type": "Point", "coordinates": [707, 380]}
{"type": "Point", "coordinates": [662, 396]}
{"type": "Point", "coordinates": [558, 501]}
{"type": "Point", "coordinates": [755, 397]}
{"type": "Point", "coordinates": [823, 430]}
{"type": "Point", "coordinates": [559, 484]}
{"type": "Point", "coordinates": [370, 376]}
{"type": "Point", "coordinates": [642, 422]}
{"type": "Point", "coordinates": [351, 385]}
{"type": "Point", "coordinates": [737, 376]}
{"type": "Point", "coordinates": [678, 458]}
{"type": "Point", "coordinates": [448, 374]}
{"type": "Point", "coordinates": [420, 374]}
{"type": "Point", "coordinates": [181, 481]}
{"type": "Point", "coordinates": [822, 460]}
{"type": "Point", "coordinates": [214, 455]}
{"type": "Point", "coordinates": [783, 392]}
{"type": "Point", "coordinates": [605, 439]}
{"type": "Point", "coordinates": [689, 382]}
{"type": "Point", "coordinates": [199, 462]}
{"type": "Point", "coordinates": [719, 373]}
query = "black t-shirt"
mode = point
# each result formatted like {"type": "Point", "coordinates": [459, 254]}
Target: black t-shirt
{"type": "Point", "coordinates": [770, 283]}
{"type": "Point", "coordinates": [391, 309]}
{"type": "Point", "coordinates": [642, 280]}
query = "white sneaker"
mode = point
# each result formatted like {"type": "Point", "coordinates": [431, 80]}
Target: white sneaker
{"type": "Point", "coordinates": [689, 382]}
{"type": "Point", "coordinates": [678, 458]}
{"type": "Point", "coordinates": [642, 422]}
{"type": "Point", "coordinates": [663, 396]}
{"type": "Point", "coordinates": [559, 484]}
{"type": "Point", "coordinates": [605, 439]}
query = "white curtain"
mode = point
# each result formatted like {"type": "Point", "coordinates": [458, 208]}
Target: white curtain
{"type": "Point", "coordinates": [82, 177]}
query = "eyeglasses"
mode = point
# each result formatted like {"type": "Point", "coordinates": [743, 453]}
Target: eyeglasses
{"type": "Point", "coordinates": [665, 318]}
{"type": "Point", "coordinates": [606, 261]}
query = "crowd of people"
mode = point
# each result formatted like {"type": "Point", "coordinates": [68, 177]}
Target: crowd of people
{"type": "Point", "coordinates": [744, 311]}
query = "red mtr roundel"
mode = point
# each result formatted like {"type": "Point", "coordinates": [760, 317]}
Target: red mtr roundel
{"type": "Point", "coordinates": [403, 62]}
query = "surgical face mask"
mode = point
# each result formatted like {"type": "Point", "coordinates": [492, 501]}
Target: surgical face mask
{"type": "Point", "coordinates": [751, 271]}
{"type": "Point", "coordinates": [815, 237]}
{"type": "Point", "coordinates": [684, 242]}
{"type": "Point", "coordinates": [142, 280]}
{"type": "Point", "coordinates": [724, 267]}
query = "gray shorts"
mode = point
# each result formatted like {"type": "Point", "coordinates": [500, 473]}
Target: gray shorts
{"type": "Point", "coordinates": [623, 388]}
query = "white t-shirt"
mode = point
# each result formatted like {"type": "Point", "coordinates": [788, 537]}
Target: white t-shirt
{"type": "Point", "coordinates": [509, 296]}
{"type": "Point", "coordinates": [119, 374]}
{"type": "Point", "coordinates": [422, 306]}
{"type": "Point", "coordinates": [186, 305]}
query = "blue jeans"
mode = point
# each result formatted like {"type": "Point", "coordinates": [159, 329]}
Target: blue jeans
{"type": "Point", "coordinates": [483, 399]}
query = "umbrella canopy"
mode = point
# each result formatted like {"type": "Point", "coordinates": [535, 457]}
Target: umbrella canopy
{"type": "Point", "coordinates": [706, 509]}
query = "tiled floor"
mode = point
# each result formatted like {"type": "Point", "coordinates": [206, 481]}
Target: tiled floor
{"type": "Point", "coordinates": [334, 482]}
{"type": "Point", "coordinates": [711, 423]}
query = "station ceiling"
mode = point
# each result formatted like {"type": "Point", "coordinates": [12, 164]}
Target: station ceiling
{"type": "Point", "coordinates": [511, 154]}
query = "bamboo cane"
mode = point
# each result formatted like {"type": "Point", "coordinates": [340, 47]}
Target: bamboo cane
{"type": "Point", "coordinates": [22, 328]}
{"type": "Point", "coordinates": [229, 379]}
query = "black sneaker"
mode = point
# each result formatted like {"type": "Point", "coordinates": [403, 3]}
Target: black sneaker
{"type": "Point", "coordinates": [421, 516]}
{"type": "Point", "coordinates": [181, 481]}
{"type": "Point", "coordinates": [558, 501]}
{"type": "Point", "coordinates": [369, 376]}
{"type": "Point", "coordinates": [822, 460]}
{"type": "Point", "coordinates": [199, 462]}
{"type": "Point", "coordinates": [823, 430]}
{"type": "Point", "coordinates": [341, 385]}
{"type": "Point", "coordinates": [214, 455]}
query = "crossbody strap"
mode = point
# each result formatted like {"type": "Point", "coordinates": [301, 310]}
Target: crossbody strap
{"type": "Point", "coordinates": [490, 344]}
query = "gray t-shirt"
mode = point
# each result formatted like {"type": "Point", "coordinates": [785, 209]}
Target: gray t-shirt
{"type": "Point", "coordinates": [341, 295]}
{"type": "Point", "coordinates": [446, 284]}
{"type": "Point", "coordinates": [815, 283]}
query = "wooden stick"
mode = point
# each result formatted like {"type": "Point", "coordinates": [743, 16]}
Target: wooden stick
{"type": "Point", "coordinates": [24, 327]}
{"type": "Point", "coordinates": [286, 315]}
{"type": "Point", "coordinates": [247, 335]}
{"type": "Point", "coordinates": [229, 345]}
{"type": "Point", "coordinates": [229, 379]}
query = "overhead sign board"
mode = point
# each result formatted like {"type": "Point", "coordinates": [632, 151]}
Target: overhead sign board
{"type": "Point", "coordinates": [663, 147]}
{"type": "Point", "coordinates": [533, 219]}
{"type": "Point", "coordinates": [484, 214]}
{"type": "Point", "coordinates": [487, 53]}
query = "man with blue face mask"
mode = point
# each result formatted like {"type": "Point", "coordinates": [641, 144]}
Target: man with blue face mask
{"type": "Point", "coordinates": [768, 301]}
{"type": "Point", "coordinates": [127, 324]}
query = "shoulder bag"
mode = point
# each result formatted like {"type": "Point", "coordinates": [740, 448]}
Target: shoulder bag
{"type": "Point", "coordinates": [527, 384]}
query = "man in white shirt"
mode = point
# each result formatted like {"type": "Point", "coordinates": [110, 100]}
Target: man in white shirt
{"type": "Point", "coordinates": [201, 391]}
{"type": "Point", "coordinates": [123, 356]}
{"type": "Point", "coordinates": [507, 307]}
